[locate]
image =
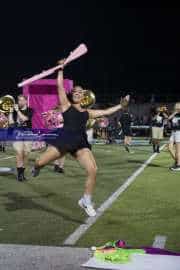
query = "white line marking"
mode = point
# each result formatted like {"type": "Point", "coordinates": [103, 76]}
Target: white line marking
{"type": "Point", "coordinates": [7, 157]}
{"type": "Point", "coordinates": [81, 230]}
{"type": "Point", "coordinates": [159, 241]}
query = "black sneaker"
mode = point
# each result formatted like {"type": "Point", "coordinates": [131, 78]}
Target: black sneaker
{"type": "Point", "coordinates": [24, 178]}
{"type": "Point", "coordinates": [174, 165]}
{"type": "Point", "coordinates": [58, 169]}
{"type": "Point", "coordinates": [20, 178]}
{"type": "Point", "coordinates": [35, 171]}
{"type": "Point", "coordinates": [175, 168]}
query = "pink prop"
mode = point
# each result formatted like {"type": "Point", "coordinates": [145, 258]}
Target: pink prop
{"type": "Point", "coordinates": [53, 119]}
{"type": "Point", "coordinates": [42, 96]}
{"type": "Point", "coordinates": [79, 51]}
{"type": "Point", "coordinates": [103, 122]}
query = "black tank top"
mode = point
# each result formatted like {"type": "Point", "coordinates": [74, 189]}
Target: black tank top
{"type": "Point", "coordinates": [75, 120]}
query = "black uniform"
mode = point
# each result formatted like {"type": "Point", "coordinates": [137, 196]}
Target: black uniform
{"type": "Point", "coordinates": [126, 120]}
{"type": "Point", "coordinates": [175, 122]}
{"type": "Point", "coordinates": [27, 112]}
{"type": "Point", "coordinates": [157, 120]}
{"type": "Point", "coordinates": [72, 136]}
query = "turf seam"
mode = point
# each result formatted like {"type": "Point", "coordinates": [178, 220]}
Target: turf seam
{"type": "Point", "coordinates": [81, 230]}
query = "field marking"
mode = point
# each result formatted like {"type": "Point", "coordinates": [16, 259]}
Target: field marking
{"type": "Point", "coordinates": [159, 241]}
{"type": "Point", "coordinates": [7, 157]}
{"type": "Point", "coordinates": [81, 230]}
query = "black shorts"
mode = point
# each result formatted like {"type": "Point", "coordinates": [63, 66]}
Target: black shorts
{"type": "Point", "coordinates": [127, 132]}
{"type": "Point", "coordinates": [67, 141]}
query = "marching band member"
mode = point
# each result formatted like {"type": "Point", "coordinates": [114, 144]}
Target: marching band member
{"type": "Point", "coordinates": [125, 122]}
{"type": "Point", "coordinates": [157, 128]}
{"type": "Point", "coordinates": [3, 124]}
{"type": "Point", "coordinates": [73, 138]}
{"type": "Point", "coordinates": [175, 137]}
{"type": "Point", "coordinates": [21, 117]}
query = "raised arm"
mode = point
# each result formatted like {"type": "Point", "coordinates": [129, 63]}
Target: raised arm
{"type": "Point", "coordinates": [64, 102]}
{"type": "Point", "coordinates": [11, 118]}
{"type": "Point", "coordinates": [21, 116]}
{"type": "Point", "coordinates": [99, 113]}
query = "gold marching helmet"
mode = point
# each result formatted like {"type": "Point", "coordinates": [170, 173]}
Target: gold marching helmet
{"type": "Point", "coordinates": [88, 100]}
{"type": "Point", "coordinates": [6, 104]}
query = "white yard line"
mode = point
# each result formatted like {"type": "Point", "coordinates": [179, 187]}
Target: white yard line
{"type": "Point", "coordinates": [159, 241]}
{"type": "Point", "coordinates": [7, 158]}
{"type": "Point", "coordinates": [81, 230]}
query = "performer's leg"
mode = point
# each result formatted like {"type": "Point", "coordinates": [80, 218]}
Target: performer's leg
{"type": "Point", "coordinates": [126, 143]}
{"type": "Point", "coordinates": [87, 161]}
{"type": "Point", "coordinates": [178, 153]}
{"type": "Point", "coordinates": [26, 151]}
{"type": "Point", "coordinates": [154, 138]}
{"type": "Point", "coordinates": [18, 147]}
{"type": "Point", "coordinates": [129, 140]}
{"type": "Point", "coordinates": [49, 155]}
{"type": "Point", "coordinates": [154, 143]}
{"type": "Point", "coordinates": [129, 144]}
{"type": "Point", "coordinates": [171, 150]}
{"type": "Point", "coordinates": [158, 146]}
{"type": "Point", "coordinates": [177, 149]}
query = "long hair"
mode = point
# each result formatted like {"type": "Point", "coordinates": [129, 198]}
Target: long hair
{"type": "Point", "coordinates": [70, 95]}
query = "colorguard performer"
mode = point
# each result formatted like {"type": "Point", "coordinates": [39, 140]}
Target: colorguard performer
{"type": "Point", "coordinates": [72, 138]}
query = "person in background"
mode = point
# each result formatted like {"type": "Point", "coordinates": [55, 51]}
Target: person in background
{"type": "Point", "coordinates": [175, 137]}
{"type": "Point", "coordinates": [157, 125]}
{"type": "Point", "coordinates": [3, 124]}
{"type": "Point", "coordinates": [21, 117]}
{"type": "Point", "coordinates": [125, 121]}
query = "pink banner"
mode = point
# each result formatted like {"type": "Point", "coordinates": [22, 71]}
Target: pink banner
{"type": "Point", "coordinates": [42, 96]}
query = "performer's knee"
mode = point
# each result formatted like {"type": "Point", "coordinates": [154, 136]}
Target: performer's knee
{"type": "Point", "coordinates": [92, 171]}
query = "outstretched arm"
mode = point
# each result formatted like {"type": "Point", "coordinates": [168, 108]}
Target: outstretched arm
{"type": "Point", "coordinates": [65, 104]}
{"type": "Point", "coordinates": [109, 111]}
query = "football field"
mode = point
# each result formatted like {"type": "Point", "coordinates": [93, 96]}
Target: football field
{"type": "Point", "coordinates": [44, 210]}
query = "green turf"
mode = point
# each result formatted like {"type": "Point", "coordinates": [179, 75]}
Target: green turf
{"type": "Point", "coordinates": [44, 210]}
{"type": "Point", "coordinates": [150, 207]}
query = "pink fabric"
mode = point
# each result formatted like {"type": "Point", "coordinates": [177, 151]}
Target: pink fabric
{"type": "Point", "coordinates": [42, 97]}
{"type": "Point", "coordinates": [53, 119]}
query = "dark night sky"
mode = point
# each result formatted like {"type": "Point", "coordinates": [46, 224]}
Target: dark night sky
{"type": "Point", "coordinates": [128, 47]}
